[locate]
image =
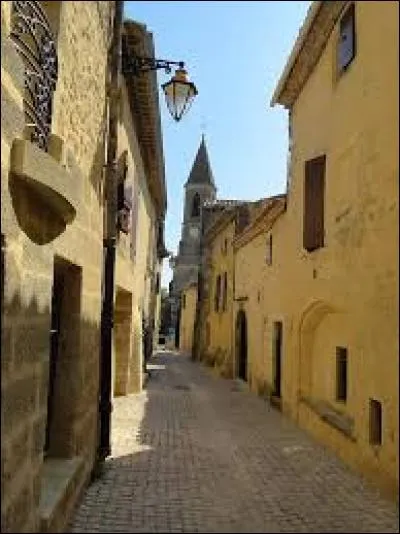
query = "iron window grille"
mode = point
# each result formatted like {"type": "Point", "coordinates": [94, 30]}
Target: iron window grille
{"type": "Point", "coordinates": [34, 40]}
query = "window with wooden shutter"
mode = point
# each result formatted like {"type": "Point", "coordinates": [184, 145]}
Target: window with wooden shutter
{"type": "Point", "coordinates": [217, 293]}
{"type": "Point", "coordinates": [134, 220]}
{"type": "Point", "coordinates": [268, 258]}
{"type": "Point", "coordinates": [314, 192]}
{"type": "Point", "coordinates": [347, 39]}
{"type": "Point", "coordinates": [224, 291]}
{"type": "Point", "coordinates": [341, 374]}
{"type": "Point", "coordinates": [375, 422]}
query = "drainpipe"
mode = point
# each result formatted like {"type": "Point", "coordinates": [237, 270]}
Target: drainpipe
{"type": "Point", "coordinates": [109, 241]}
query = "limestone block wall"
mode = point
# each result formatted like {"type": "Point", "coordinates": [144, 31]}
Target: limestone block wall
{"type": "Point", "coordinates": [136, 250]}
{"type": "Point", "coordinates": [34, 237]}
{"type": "Point", "coordinates": [188, 312]}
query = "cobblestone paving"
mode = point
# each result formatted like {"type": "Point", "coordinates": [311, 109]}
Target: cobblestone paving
{"type": "Point", "coordinates": [197, 453]}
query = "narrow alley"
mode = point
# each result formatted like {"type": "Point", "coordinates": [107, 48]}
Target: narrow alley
{"type": "Point", "coordinates": [197, 453]}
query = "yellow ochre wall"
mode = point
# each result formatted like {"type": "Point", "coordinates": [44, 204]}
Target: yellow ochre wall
{"type": "Point", "coordinates": [344, 294]}
{"type": "Point", "coordinates": [188, 313]}
{"type": "Point", "coordinates": [217, 332]}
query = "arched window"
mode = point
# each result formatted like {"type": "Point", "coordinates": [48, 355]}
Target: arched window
{"type": "Point", "coordinates": [196, 205]}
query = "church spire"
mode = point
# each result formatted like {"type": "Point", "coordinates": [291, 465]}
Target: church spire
{"type": "Point", "coordinates": [201, 172]}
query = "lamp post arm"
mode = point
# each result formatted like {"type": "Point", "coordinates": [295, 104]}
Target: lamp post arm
{"type": "Point", "coordinates": [138, 64]}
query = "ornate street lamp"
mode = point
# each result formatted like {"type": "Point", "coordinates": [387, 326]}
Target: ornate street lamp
{"type": "Point", "coordinates": [179, 91]}
{"type": "Point", "coordinates": [179, 94]}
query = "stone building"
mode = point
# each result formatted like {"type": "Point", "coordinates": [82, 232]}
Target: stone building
{"type": "Point", "coordinates": [199, 188]}
{"type": "Point", "coordinates": [315, 311]}
{"type": "Point", "coordinates": [53, 166]}
{"type": "Point", "coordinates": [255, 320]}
{"type": "Point", "coordinates": [215, 341]}
{"type": "Point", "coordinates": [188, 315]}
{"type": "Point", "coordinates": [141, 250]}
{"type": "Point", "coordinates": [337, 250]}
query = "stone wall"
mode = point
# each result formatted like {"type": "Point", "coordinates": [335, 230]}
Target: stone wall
{"type": "Point", "coordinates": [34, 238]}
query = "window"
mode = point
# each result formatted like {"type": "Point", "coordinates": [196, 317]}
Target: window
{"type": "Point", "coordinates": [224, 291]}
{"type": "Point", "coordinates": [268, 258]}
{"type": "Point", "coordinates": [34, 32]}
{"type": "Point", "coordinates": [158, 283]}
{"type": "Point", "coordinates": [375, 422]}
{"type": "Point", "coordinates": [341, 374]}
{"type": "Point", "coordinates": [347, 39]}
{"type": "Point", "coordinates": [183, 301]}
{"type": "Point", "coordinates": [196, 205]}
{"type": "Point", "coordinates": [314, 190]}
{"type": "Point", "coordinates": [3, 264]}
{"type": "Point", "coordinates": [134, 221]}
{"type": "Point", "coordinates": [217, 293]}
{"type": "Point", "coordinates": [277, 358]}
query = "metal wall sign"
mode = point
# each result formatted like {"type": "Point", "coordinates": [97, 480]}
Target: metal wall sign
{"type": "Point", "coordinates": [35, 42]}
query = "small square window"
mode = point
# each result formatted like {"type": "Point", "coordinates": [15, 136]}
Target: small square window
{"type": "Point", "coordinates": [375, 422]}
{"type": "Point", "coordinates": [347, 39]}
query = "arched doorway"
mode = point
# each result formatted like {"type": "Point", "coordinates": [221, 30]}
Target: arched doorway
{"type": "Point", "coordinates": [241, 345]}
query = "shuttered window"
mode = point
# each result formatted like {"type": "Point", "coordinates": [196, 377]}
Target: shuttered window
{"type": "Point", "coordinates": [347, 39]}
{"type": "Point", "coordinates": [268, 258]}
{"type": "Point", "coordinates": [375, 422]}
{"type": "Point", "coordinates": [224, 291]}
{"type": "Point", "coordinates": [341, 374]}
{"type": "Point", "coordinates": [134, 220]}
{"type": "Point", "coordinates": [217, 296]}
{"type": "Point", "coordinates": [314, 192]}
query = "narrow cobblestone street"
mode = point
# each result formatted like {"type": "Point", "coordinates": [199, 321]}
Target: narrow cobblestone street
{"type": "Point", "coordinates": [197, 453]}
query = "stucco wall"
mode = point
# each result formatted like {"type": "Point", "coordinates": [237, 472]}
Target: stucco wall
{"type": "Point", "coordinates": [344, 294]}
{"type": "Point", "coordinates": [357, 270]}
{"type": "Point", "coordinates": [218, 339]}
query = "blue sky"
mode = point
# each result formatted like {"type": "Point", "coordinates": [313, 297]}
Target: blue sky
{"type": "Point", "coordinates": [234, 52]}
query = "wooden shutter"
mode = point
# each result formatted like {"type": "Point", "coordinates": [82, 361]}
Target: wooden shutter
{"type": "Point", "coordinates": [135, 217]}
{"type": "Point", "coordinates": [314, 192]}
{"type": "Point", "coordinates": [217, 293]}
{"type": "Point", "coordinates": [225, 290]}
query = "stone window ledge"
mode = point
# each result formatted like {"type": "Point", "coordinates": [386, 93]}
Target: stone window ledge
{"type": "Point", "coordinates": [44, 173]}
{"type": "Point", "coordinates": [59, 479]}
{"type": "Point", "coordinates": [341, 422]}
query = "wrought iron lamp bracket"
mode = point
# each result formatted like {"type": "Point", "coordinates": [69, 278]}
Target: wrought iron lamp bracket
{"type": "Point", "coordinates": [137, 65]}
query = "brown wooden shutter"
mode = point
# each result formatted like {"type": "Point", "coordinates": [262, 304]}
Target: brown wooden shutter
{"type": "Point", "coordinates": [225, 290]}
{"type": "Point", "coordinates": [308, 221]}
{"type": "Point", "coordinates": [314, 193]}
{"type": "Point", "coordinates": [134, 222]}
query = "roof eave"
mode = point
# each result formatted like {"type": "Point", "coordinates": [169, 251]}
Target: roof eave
{"type": "Point", "coordinates": [146, 114]}
{"type": "Point", "coordinates": [301, 38]}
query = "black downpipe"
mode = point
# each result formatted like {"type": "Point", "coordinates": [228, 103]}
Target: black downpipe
{"type": "Point", "coordinates": [105, 407]}
{"type": "Point", "coordinates": [109, 244]}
